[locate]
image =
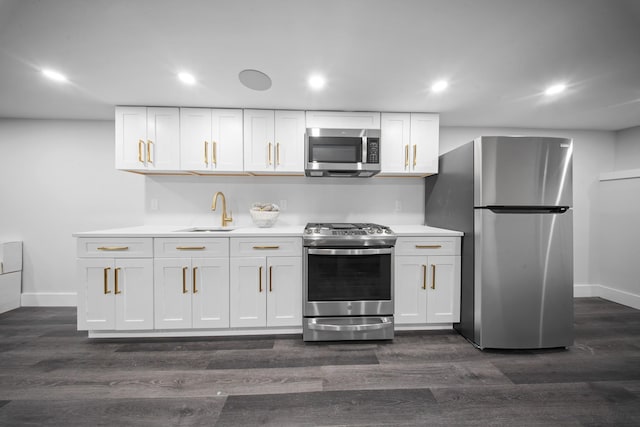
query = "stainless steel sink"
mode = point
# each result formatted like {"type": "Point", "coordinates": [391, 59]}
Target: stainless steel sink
{"type": "Point", "coordinates": [206, 229]}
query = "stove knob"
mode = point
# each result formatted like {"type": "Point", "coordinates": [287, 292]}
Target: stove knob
{"type": "Point", "coordinates": [378, 230]}
{"type": "Point", "coordinates": [307, 231]}
{"type": "Point", "coordinates": [387, 231]}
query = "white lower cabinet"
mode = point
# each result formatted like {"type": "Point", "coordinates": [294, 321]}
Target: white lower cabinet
{"type": "Point", "coordinates": [191, 293]}
{"type": "Point", "coordinates": [115, 294]}
{"type": "Point", "coordinates": [191, 283]}
{"type": "Point", "coordinates": [427, 281]}
{"type": "Point", "coordinates": [265, 290]}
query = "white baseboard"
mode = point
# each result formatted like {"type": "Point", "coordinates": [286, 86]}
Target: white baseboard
{"type": "Point", "coordinates": [49, 299]}
{"type": "Point", "coordinates": [611, 294]}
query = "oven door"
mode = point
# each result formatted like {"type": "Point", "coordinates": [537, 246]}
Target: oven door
{"type": "Point", "coordinates": [348, 281]}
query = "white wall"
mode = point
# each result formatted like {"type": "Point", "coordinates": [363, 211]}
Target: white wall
{"type": "Point", "coordinates": [594, 152]}
{"type": "Point", "coordinates": [58, 177]}
{"type": "Point", "coordinates": [618, 230]}
{"type": "Point", "coordinates": [628, 149]}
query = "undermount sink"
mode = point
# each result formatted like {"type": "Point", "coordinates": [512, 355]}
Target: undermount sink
{"type": "Point", "coordinates": [206, 229]}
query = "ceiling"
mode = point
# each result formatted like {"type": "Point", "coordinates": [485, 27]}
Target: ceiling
{"type": "Point", "coordinates": [377, 55]}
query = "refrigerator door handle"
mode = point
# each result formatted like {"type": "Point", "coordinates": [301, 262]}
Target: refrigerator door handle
{"type": "Point", "coordinates": [527, 209]}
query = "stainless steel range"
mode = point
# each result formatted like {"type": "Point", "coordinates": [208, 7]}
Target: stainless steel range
{"type": "Point", "coordinates": [348, 282]}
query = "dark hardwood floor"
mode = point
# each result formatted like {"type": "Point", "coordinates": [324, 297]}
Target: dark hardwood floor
{"type": "Point", "coordinates": [52, 375]}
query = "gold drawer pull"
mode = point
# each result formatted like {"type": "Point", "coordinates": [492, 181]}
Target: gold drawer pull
{"type": "Point", "coordinates": [215, 156]}
{"type": "Point", "coordinates": [190, 248]}
{"type": "Point", "coordinates": [428, 246]}
{"type": "Point", "coordinates": [270, 278]}
{"type": "Point", "coordinates": [277, 153]}
{"type": "Point", "coordinates": [266, 247]}
{"type": "Point", "coordinates": [406, 156]}
{"type": "Point", "coordinates": [206, 153]}
{"type": "Point", "coordinates": [113, 248]}
{"type": "Point", "coordinates": [415, 155]}
{"type": "Point", "coordinates": [424, 276]}
{"type": "Point", "coordinates": [259, 279]}
{"type": "Point", "coordinates": [269, 154]}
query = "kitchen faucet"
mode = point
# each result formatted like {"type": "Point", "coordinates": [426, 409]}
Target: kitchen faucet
{"type": "Point", "coordinates": [225, 219]}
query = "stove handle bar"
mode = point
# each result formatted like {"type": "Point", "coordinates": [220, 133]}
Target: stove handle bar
{"type": "Point", "coordinates": [385, 322]}
{"type": "Point", "coordinates": [379, 251]}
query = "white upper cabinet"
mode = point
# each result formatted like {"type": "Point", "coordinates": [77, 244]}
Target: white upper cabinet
{"type": "Point", "coordinates": [211, 140]}
{"type": "Point", "coordinates": [343, 119]}
{"type": "Point", "coordinates": [274, 141]}
{"type": "Point", "coordinates": [148, 139]}
{"type": "Point", "coordinates": [409, 144]}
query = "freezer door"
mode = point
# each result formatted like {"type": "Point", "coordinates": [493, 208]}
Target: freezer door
{"type": "Point", "coordinates": [523, 280]}
{"type": "Point", "coordinates": [522, 170]}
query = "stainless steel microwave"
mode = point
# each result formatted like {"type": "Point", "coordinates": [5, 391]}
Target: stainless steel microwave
{"type": "Point", "coordinates": [342, 152]}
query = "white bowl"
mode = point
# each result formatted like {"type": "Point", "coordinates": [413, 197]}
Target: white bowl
{"type": "Point", "coordinates": [264, 218]}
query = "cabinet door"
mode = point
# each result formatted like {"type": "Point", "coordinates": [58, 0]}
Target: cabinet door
{"type": "Point", "coordinates": [131, 138]}
{"type": "Point", "coordinates": [289, 140]}
{"type": "Point", "coordinates": [133, 293]}
{"type": "Point", "coordinates": [284, 297]}
{"type": "Point", "coordinates": [425, 143]}
{"type": "Point", "coordinates": [96, 298]}
{"type": "Point", "coordinates": [226, 145]}
{"type": "Point", "coordinates": [248, 292]}
{"type": "Point", "coordinates": [210, 292]}
{"type": "Point", "coordinates": [395, 134]}
{"type": "Point", "coordinates": [410, 287]}
{"type": "Point", "coordinates": [258, 140]}
{"type": "Point", "coordinates": [163, 139]}
{"type": "Point", "coordinates": [195, 139]}
{"type": "Point", "coordinates": [172, 293]}
{"type": "Point", "coordinates": [443, 292]}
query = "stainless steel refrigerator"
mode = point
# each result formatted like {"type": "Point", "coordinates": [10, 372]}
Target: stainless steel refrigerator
{"type": "Point", "coordinates": [512, 198]}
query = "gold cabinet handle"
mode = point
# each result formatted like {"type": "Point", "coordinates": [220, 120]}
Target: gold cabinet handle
{"type": "Point", "coordinates": [184, 280]}
{"type": "Point", "coordinates": [277, 153]}
{"type": "Point", "coordinates": [415, 155]}
{"type": "Point", "coordinates": [140, 144]}
{"type": "Point", "coordinates": [214, 153]}
{"type": "Point", "coordinates": [428, 246]}
{"type": "Point", "coordinates": [259, 279]}
{"type": "Point", "coordinates": [115, 272]}
{"type": "Point", "coordinates": [266, 247]}
{"type": "Point", "coordinates": [270, 278]}
{"type": "Point", "coordinates": [106, 280]}
{"type": "Point", "coordinates": [206, 153]}
{"type": "Point", "coordinates": [190, 248]}
{"type": "Point", "coordinates": [149, 144]}
{"type": "Point", "coordinates": [433, 276]}
{"type": "Point", "coordinates": [406, 156]}
{"type": "Point", "coordinates": [195, 290]}
{"type": "Point", "coordinates": [269, 153]}
{"type": "Point", "coordinates": [424, 276]}
{"type": "Point", "coordinates": [113, 248]}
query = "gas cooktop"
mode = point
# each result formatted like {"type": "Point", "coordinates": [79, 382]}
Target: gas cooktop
{"type": "Point", "coordinates": [348, 234]}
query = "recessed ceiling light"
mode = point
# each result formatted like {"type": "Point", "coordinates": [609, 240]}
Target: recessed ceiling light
{"type": "Point", "coordinates": [187, 78]}
{"type": "Point", "coordinates": [439, 86]}
{"type": "Point", "coordinates": [317, 82]}
{"type": "Point", "coordinates": [555, 89]}
{"type": "Point", "coordinates": [54, 75]}
{"type": "Point", "coordinates": [254, 79]}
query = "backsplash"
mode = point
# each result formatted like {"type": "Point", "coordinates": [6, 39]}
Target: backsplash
{"type": "Point", "coordinates": [186, 200]}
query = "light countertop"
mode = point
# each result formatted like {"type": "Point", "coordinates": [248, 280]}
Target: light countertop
{"type": "Point", "coordinates": [277, 231]}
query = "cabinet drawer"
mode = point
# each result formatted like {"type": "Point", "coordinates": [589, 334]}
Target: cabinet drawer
{"type": "Point", "coordinates": [173, 247]}
{"type": "Point", "coordinates": [428, 246]}
{"type": "Point", "coordinates": [278, 246]}
{"type": "Point", "coordinates": [115, 247]}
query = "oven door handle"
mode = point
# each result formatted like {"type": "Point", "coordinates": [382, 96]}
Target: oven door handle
{"type": "Point", "coordinates": [377, 251]}
{"type": "Point", "coordinates": [384, 323]}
